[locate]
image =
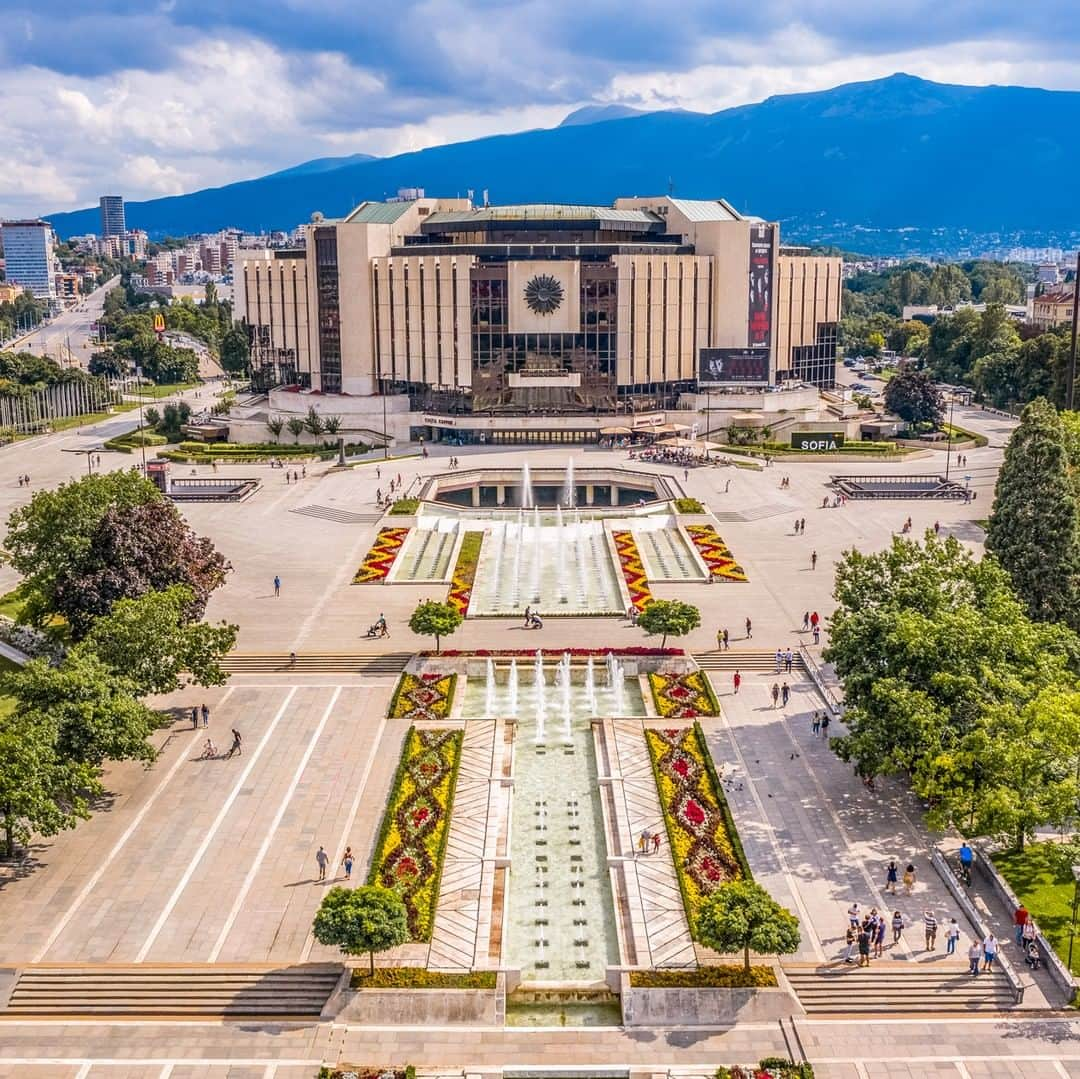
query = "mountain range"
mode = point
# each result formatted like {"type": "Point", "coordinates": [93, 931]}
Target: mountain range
{"type": "Point", "coordinates": [898, 153]}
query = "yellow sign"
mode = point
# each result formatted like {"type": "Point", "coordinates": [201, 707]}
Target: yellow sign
{"type": "Point", "coordinates": [159, 323]}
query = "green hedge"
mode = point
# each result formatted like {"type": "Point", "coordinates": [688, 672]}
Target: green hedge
{"type": "Point", "coordinates": [720, 977]}
{"type": "Point", "coordinates": [420, 978]}
{"type": "Point", "coordinates": [688, 505]}
{"type": "Point", "coordinates": [404, 507]}
{"type": "Point", "coordinates": [135, 440]}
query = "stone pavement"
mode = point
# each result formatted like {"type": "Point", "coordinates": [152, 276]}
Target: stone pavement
{"type": "Point", "coordinates": [214, 860]}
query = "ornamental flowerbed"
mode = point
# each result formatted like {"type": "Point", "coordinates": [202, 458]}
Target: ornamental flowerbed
{"type": "Point", "coordinates": [704, 844]}
{"type": "Point", "coordinates": [633, 569]}
{"type": "Point", "coordinates": [412, 840]}
{"type": "Point", "coordinates": [715, 553]}
{"type": "Point", "coordinates": [711, 977]}
{"type": "Point", "coordinates": [461, 584]}
{"type": "Point", "coordinates": [425, 696]}
{"type": "Point", "coordinates": [380, 559]}
{"type": "Point", "coordinates": [683, 696]}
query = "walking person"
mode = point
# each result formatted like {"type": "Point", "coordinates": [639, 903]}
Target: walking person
{"type": "Point", "coordinates": [813, 559]}
{"type": "Point", "coordinates": [1020, 919]}
{"type": "Point", "coordinates": [321, 860]}
{"type": "Point", "coordinates": [930, 929]}
{"type": "Point", "coordinates": [779, 661]}
{"type": "Point", "coordinates": [909, 878]}
{"type": "Point", "coordinates": [775, 694]}
{"type": "Point", "coordinates": [952, 936]}
{"type": "Point", "coordinates": [656, 842]}
{"type": "Point", "coordinates": [736, 681]}
{"type": "Point", "coordinates": [789, 659]}
{"type": "Point", "coordinates": [749, 630]}
{"type": "Point", "coordinates": [347, 862]}
{"type": "Point", "coordinates": [643, 842]}
{"type": "Point", "coordinates": [785, 694]}
{"type": "Point", "coordinates": [815, 724]}
{"type": "Point", "coordinates": [989, 949]}
{"type": "Point", "coordinates": [879, 937]}
{"type": "Point", "coordinates": [806, 621]}
{"type": "Point", "coordinates": [195, 717]}
{"type": "Point", "coordinates": [825, 725]}
{"type": "Point", "coordinates": [528, 614]}
{"type": "Point", "coordinates": [719, 640]}
{"type": "Point", "coordinates": [851, 939]}
{"type": "Point", "coordinates": [864, 944]}
{"type": "Point", "coordinates": [236, 746]}
{"type": "Point", "coordinates": [891, 877]}
{"type": "Point", "coordinates": [205, 715]}
{"type": "Point", "coordinates": [897, 926]}
{"type": "Point", "coordinates": [726, 639]}
{"type": "Point", "coordinates": [817, 634]}
{"type": "Point", "coordinates": [974, 955]}
{"type": "Point", "coordinates": [277, 585]}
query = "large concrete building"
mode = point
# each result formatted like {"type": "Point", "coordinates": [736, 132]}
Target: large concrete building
{"type": "Point", "coordinates": [29, 260]}
{"type": "Point", "coordinates": [538, 318]}
{"type": "Point", "coordinates": [112, 216]}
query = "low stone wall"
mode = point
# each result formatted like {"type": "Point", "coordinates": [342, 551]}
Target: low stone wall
{"type": "Point", "coordinates": [1057, 970]}
{"type": "Point", "coordinates": [420, 1007]}
{"type": "Point", "coordinates": [704, 1007]}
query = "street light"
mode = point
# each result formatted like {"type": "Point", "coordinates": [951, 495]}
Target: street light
{"type": "Point", "coordinates": [1072, 921]}
{"type": "Point", "coordinates": [948, 444]}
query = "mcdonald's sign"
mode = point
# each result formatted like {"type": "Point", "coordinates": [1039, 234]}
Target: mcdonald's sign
{"type": "Point", "coordinates": [159, 323]}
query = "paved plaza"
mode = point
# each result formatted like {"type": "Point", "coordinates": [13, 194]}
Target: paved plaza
{"type": "Point", "coordinates": [213, 861]}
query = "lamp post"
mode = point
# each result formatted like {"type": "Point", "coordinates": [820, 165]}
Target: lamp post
{"type": "Point", "coordinates": [1072, 920]}
{"type": "Point", "coordinates": [948, 444]}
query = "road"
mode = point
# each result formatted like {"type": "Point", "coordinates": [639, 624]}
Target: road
{"type": "Point", "coordinates": [62, 338]}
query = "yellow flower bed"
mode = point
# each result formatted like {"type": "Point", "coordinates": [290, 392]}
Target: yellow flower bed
{"type": "Point", "coordinates": [425, 697]}
{"type": "Point", "coordinates": [684, 696]}
{"type": "Point", "coordinates": [715, 553]}
{"type": "Point", "coordinates": [379, 560]}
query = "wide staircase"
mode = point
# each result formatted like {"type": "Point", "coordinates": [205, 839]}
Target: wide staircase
{"type": "Point", "coordinates": [894, 987]}
{"type": "Point", "coordinates": [174, 990]}
{"type": "Point", "coordinates": [315, 663]}
{"type": "Point", "coordinates": [744, 659]}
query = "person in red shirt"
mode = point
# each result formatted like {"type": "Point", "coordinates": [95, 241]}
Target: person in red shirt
{"type": "Point", "coordinates": [737, 680]}
{"type": "Point", "coordinates": [1020, 919]}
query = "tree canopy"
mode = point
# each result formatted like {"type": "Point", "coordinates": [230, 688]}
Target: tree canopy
{"type": "Point", "coordinates": [369, 919]}
{"type": "Point", "coordinates": [741, 916]}
{"type": "Point", "coordinates": [914, 397]}
{"type": "Point", "coordinates": [434, 619]}
{"type": "Point", "coordinates": [934, 649]}
{"type": "Point", "coordinates": [1034, 529]}
{"type": "Point", "coordinates": [670, 618]}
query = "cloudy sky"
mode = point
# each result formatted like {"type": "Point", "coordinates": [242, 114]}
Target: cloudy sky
{"type": "Point", "coordinates": [152, 98]}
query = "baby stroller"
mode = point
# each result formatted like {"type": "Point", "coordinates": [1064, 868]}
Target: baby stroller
{"type": "Point", "coordinates": [1032, 956]}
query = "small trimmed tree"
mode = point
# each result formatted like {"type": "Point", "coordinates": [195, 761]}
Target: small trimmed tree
{"type": "Point", "coordinates": [357, 920]}
{"type": "Point", "coordinates": [669, 617]}
{"type": "Point", "coordinates": [434, 619]}
{"type": "Point", "coordinates": [741, 915]}
{"type": "Point", "coordinates": [275, 425]}
{"type": "Point", "coordinates": [296, 427]}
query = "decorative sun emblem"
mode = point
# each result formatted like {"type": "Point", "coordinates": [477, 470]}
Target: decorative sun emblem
{"type": "Point", "coordinates": [543, 294]}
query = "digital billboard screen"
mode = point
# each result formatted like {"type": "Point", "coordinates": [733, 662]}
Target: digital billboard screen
{"type": "Point", "coordinates": [761, 285]}
{"type": "Point", "coordinates": [734, 365]}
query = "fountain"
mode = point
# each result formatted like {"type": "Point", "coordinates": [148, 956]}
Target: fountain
{"type": "Point", "coordinates": [512, 688]}
{"type": "Point", "coordinates": [538, 682]}
{"type": "Point", "coordinates": [526, 487]}
{"type": "Point", "coordinates": [489, 690]}
{"type": "Point", "coordinates": [569, 493]}
{"type": "Point", "coordinates": [563, 679]}
{"type": "Point", "coordinates": [590, 687]}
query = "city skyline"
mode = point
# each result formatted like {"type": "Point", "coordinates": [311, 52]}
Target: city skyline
{"type": "Point", "coordinates": [85, 112]}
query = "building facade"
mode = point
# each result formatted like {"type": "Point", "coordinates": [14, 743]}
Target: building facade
{"type": "Point", "coordinates": [112, 216]}
{"type": "Point", "coordinates": [539, 310]}
{"type": "Point", "coordinates": [1053, 308]}
{"type": "Point", "coordinates": [29, 260]}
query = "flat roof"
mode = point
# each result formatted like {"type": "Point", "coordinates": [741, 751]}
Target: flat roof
{"type": "Point", "coordinates": [706, 210]}
{"type": "Point", "coordinates": [543, 211]}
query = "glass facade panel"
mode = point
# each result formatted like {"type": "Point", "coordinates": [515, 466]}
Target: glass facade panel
{"type": "Point", "coordinates": [326, 283]}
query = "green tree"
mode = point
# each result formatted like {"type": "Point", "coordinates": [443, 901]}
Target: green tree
{"type": "Point", "coordinates": [93, 710]}
{"type": "Point", "coordinates": [434, 619]}
{"type": "Point", "coordinates": [276, 425]}
{"type": "Point", "coordinates": [1034, 531]}
{"type": "Point", "coordinates": [742, 916]}
{"type": "Point", "coordinates": [53, 532]}
{"type": "Point", "coordinates": [670, 618]}
{"type": "Point", "coordinates": [357, 920]}
{"type": "Point", "coordinates": [135, 550]}
{"type": "Point", "coordinates": [949, 285]}
{"type": "Point", "coordinates": [40, 792]}
{"type": "Point", "coordinates": [913, 396]}
{"type": "Point", "coordinates": [235, 350]}
{"type": "Point", "coordinates": [313, 422]}
{"type": "Point", "coordinates": [295, 426]}
{"type": "Point", "coordinates": [151, 641]}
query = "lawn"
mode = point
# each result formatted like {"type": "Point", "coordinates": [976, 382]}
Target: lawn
{"type": "Point", "coordinates": [166, 389]}
{"type": "Point", "coordinates": [7, 704]}
{"type": "Point", "coordinates": [1046, 888]}
{"type": "Point", "coordinates": [65, 423]}
{"type": "Point", "coordinates": [12, 603]}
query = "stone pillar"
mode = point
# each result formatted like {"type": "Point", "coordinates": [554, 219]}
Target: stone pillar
{"type": "Point", "coordinates": [614, 495]}
{"type": "Point", "coordinates": [500, 495]}
{"type": "Point", "coordinates": [476, 497]}
{"type": "Point", "coordinates": [588, 494]}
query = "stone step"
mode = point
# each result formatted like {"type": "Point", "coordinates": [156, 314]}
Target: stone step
{"type": "Point", "coordinates": [315, 662]}
{"type": "Point", "coordinates": [340, 516]}
{"type": "Point", "coordinates": [745, 659]}
{"type": "Point", "coordinates": [188, 990]}
{"type": "Point", "coordinates": [885, 988]}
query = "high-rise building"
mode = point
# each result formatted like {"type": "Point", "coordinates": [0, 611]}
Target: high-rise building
{"type": "Point", "coordinates": [29, 258]}
{"type": "Point", "coordinates": [112, 216]}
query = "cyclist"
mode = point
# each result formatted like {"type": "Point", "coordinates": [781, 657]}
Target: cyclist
{"type": "Point", "coordinates": [966, 858]}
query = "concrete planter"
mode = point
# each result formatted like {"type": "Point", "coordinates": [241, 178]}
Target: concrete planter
{"type": "Point", "coordinates": [704, 1007]}
{"type": "Point", "coordinates": [420, 1007]}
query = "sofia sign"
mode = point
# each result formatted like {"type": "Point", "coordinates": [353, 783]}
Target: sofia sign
{"type": "Point", "coordinates": [817, 441]}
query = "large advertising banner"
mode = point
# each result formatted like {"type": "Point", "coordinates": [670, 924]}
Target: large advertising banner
{"type": "Point", "coordinates": [761, 285]}
{"type": "Point", "coordinates": [733, 366]}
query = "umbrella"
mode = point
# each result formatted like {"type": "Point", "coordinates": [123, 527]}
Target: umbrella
{"type": "Point", "coordinates": [616, 431]}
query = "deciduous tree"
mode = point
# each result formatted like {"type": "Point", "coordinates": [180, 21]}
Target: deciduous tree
{"type": "Point", "coordinates": [913, 396]}
{"type": "Point", "coordinates": [670, 618]}
{"type": "Point", "coordinates": [357, 920]}
{"type": "Point", "coordinates": [434, 619]}
{"type": "Point", "coordinates": [742, 916]}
